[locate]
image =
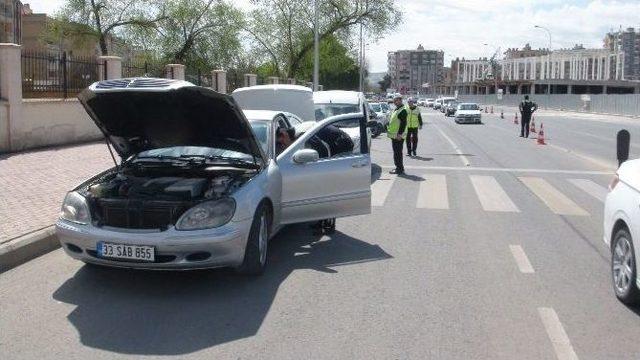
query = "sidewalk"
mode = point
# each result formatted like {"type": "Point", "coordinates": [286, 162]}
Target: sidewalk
{"type": "Point", "coordinates": [33, 184]}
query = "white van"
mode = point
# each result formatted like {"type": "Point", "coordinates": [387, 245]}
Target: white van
{"type": "Point", "coordinates": [295, 99]}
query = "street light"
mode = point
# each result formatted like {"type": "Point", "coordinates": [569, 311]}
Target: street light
{"type": "Point", "coordinates": [548, 56]}
{"type": "Point", "coordinates": [316, 51]}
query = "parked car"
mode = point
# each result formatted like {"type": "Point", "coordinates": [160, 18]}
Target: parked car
{"type": "Point", "coordinates": [622, 225]}
{"type": "Point", "coordinates": [381, 120]}
{"type": "Point", "coordinates": [429, 102]}
{"type": "Point", "coordinates": [198, 185]}
{"type": "Point", "coordinates": [468, 113]}
{"type": "Point", "coordinates": [338, 102]}
{"type": "Point", "coordinates": [437, 104]}
{"type": "Point", "coordinates": [421, 102]}
{"type": "Point", "coordinates": [450, 108]}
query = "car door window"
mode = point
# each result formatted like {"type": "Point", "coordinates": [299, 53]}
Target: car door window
{"type": "Point", "coordinates": [332, 141]}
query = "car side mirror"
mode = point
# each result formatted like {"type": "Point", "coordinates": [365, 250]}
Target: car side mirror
{"type": "Point", "coordinates": [623, 140]}
{"type": "Point", "coordinates": [304, 156]}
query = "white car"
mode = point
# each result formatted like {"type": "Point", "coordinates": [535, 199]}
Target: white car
{"type": "Point", "coordinates": [338, 102]}
{"type": "Point", "coordinates": [429, 102]}
{"type": "Point", "coordinates": [200, 186]}
{"type": "Point", "coordinates": [622, 227]}
{"type": "Point", "coordinates": [468, 113]}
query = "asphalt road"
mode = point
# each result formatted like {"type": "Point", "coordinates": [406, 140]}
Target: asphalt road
{"type": "Point", "coordinates": [490, 248]}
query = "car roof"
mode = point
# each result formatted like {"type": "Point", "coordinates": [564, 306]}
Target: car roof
{"type": "Point", "coordinates": [468, 104]}
{"type": "Point", "coordinates": [274, 87]}
{"type": "Point", "coordinates": [336, 96]}
{"type": "Point", "coordinates": [256, 115]}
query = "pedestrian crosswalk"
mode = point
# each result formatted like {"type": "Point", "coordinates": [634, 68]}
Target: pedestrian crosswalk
{"type": "Point", "coordinates": [435, 189]}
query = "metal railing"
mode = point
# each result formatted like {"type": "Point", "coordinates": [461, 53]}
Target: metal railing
{"type": "Point", "coordinates": [200, 78]}
{"type": "Point", "coordinates": [131, 69]}
{"type": "Point", "coordinates": [56, 75]}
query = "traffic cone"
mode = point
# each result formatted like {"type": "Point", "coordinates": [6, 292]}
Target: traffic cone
{"type": "Point", "coordinates": [501, 114]}
{"type": "Point", "coordinates": [515, 119]}
{"type": "Point", "coordinates": [532, 128]}
{"type": "Point", "coordinates": [485, 109]}
{"type": "Point", "coordinates": [492, 109]}
{"type": "Point", "coordinates": [541, 135]}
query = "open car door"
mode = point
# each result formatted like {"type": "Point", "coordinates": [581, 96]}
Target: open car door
{"type": "Point", "coordinates": [324, 174]}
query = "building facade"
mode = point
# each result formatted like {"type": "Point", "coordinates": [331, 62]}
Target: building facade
{"type": "Point", "coordinates": [10, 21]}
{"type": "Point", "coordinates": [628, 42]}
{"type": "Point", "coordinates": [416, 71]}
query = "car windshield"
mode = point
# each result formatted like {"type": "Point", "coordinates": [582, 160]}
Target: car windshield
{"type": "Point", "coordinates": [324, 111]}
{"type": "Point", "coordinates": [261, 131]}
{"type": "Point", "coordinates": [468, 107]}
{"type": "Point", "coordinates": [376, 107]}
{"type": "Point", "coordinates": [385, 106]}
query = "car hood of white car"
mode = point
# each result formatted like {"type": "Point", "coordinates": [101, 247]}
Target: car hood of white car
{"type": "Point", "coordinates": [136, 119]}
{"type": "Point", "coordinates": [468, 112]}
{"type": "Point", "coordinates": [629, 173]}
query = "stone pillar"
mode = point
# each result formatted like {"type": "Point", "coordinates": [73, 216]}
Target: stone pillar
{"type": "Point", "coordinates": [273, 80]}
{"type": "Point", "coordinates": [11, 92]}
{"type": "Point", "coordinates": [569, 89]}
{"type": "Point", "coordinates": [174, 71]}
{"type": "Point", "coordinates": [291, 81]}
{"type": "Point", "coordinates": [219, 81]}
{"type": "Point", "coordinates": [110, 67]}
{"type": "Point", "coordinates": [250, 79]}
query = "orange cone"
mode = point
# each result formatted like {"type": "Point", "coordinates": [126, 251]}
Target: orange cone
{"type": "Point", "coordinates": [501, 114]}
{"type": "Point", "coordinates": [515, 119]}
{"type": "Point", "coordinates": [541, 135]}
{"type": "Point", "coordinates": [532, 128]}
{"type": "Point", "coordinates": [492, 109]}
{"type": "Point", "coordinates": [485, 109]}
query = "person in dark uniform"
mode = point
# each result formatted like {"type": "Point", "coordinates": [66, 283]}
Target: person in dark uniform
{"type": "Point", "coordinates": [396, 132]}
{"type": "Point", "coordinates": [527, 108]}
{"type": "Point", "coordinates": [330, 141]}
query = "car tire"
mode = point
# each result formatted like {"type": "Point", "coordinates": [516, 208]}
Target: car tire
{"type": "Point", "coordinates": [624, 271]}
{"type": "Point", "coordinates": [255, 253]}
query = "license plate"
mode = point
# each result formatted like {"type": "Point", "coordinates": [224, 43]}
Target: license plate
{"type": "Point", "coordinates": [129, 252]}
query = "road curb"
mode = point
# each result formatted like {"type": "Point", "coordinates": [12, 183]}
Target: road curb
{"type": "Point", "coordinates": [27, 247]}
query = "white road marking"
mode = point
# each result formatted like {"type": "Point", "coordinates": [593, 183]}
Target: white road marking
{"type": "Point", "coordinates": [557, 335]}
{"type": "Point", "coordinates": [521, 259]}
{"type": "Point", "coordinates": [491, 195]}
{"type": "Point", "coordinates": [433, 193]}
{"type": "Point", "coordinates": [463, 158]}
{"type": "Point", "coordinates": [552, 197]}
{"type": "Point", "coordinates": [597, 191]}
{"type": "Point", "coordinates": [380, 189]}
{"type": "Point", "coordinates": [547, 171]}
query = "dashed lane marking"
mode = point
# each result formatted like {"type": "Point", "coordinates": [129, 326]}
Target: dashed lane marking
{"type": "Point", "coordinates": [521, 259]}
{"type": "Point", "coordinates": [557, 335]}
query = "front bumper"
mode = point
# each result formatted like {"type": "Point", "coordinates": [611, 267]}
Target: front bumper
{"type": "Point", "coordinates": [173, 249]}
{"type": "Point", "coordinates": [468, 120]}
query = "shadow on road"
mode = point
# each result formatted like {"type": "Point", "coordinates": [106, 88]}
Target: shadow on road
{"type": "Point", "coordinates": [421, 158]}
{"type": "Point", "coordinates": [173, 313]}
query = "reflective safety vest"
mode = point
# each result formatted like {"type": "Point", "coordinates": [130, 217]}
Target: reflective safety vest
{"type": "Point", "coordinates": [394, 123]}
{"type": "Point", "coordinates": [412, 118]}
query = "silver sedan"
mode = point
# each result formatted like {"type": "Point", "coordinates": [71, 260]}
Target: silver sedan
{"type": "Point", "coordinates": [198, 185]}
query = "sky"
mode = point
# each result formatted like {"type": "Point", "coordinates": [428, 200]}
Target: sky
{"type": "Point", "coordinates": [462, 27]}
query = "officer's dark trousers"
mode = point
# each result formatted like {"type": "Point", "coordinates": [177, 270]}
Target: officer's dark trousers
{"type": "Point", "coordinates": [524, 125]}
{"type": "Point", "coordinates": [397, 154]}
{"type": "Point", "coordinates": [412, 140]}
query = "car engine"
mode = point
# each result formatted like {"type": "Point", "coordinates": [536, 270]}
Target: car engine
{"type": "Point", "coordinates": [124, 200]}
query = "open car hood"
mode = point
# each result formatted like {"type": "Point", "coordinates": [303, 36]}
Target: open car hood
{"type": "Point", "coordinates": [143, 113]}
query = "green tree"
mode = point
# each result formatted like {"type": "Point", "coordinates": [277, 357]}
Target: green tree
{"type": "Point", "coordinates": [338, 70]}
{"type": "Point", "coordinates": [385, 83]}
{"type": "Point", "coordinates": [284, 29]}
{"type": "Point", "coordinates": [105, 18]}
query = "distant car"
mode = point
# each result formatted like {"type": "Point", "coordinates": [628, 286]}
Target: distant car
{"type": "Point", "coordinates": [437, 104]}
{"type": "Point", "coordinates": [445, 102]}
{"type": "Point", "coordinates": [450, 108]}
{"type": "Point", "coordinates": [198, 185]}
{"type": "Point", "coordinates": [622, 230]}
{"type": "Point", "coordinates": [429, 102]}
{"type": "Point", "coordinates": [338, 102]}
{"type": "Point", "coordinates": [421, 102]}
{"type": "Point", "coordinates": [381, 120]}
{"type": "Point", "coordinates": [468, 113]}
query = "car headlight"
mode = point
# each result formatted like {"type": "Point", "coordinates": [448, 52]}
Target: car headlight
{"type": "Point", "coordinates": [206, 215]}
{"type": "Point", "coordinates": [75, 209]}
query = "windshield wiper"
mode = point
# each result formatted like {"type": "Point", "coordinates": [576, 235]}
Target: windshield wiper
{"type": "Point", "coordinates": [223, 159]}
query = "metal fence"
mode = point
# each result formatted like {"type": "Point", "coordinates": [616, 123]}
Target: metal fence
{"type": "Point", "coordinates": [199, 77]}
{"type": "Point", "coordinates": [56, 75]}
{"type": "Point", "coordinates": [619, 104]}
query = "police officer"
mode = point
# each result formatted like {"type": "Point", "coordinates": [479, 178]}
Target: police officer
{"type": "Point", "coordinates": [527, 107]}
{"type": "Point", "coordinates": [414, 122]}
{"type": "Point", "coordinates": [396, 132]}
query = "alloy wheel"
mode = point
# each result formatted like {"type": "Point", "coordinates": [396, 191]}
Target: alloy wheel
{"type": "Point", "coordinates": [622, 265]}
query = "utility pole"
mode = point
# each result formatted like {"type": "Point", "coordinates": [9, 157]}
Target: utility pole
{"type": "Point", "coordinates": [548, 72]}
{"type": "Point", "coordinates": [361, 61]}
{"type": "Point", "coordinates": [316, 48]}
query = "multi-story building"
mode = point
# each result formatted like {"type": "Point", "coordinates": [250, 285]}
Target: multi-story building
{"type": "Point", "coordinates": [10, 23]}
{"type": "Point", "coordinates": [416, 71]}
{"type": "Point", "coordinates": [526, 51]}
{"type": "Point", "coordinates": [628, 42]}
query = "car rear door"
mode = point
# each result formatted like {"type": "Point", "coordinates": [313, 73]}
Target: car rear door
{"type": "Point", "coordinates": [335, 185]}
